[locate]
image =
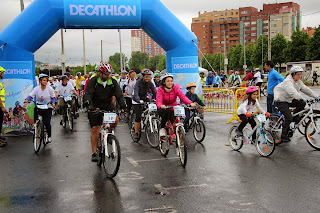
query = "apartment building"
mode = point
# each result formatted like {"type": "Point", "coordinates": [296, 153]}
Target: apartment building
{"type": "Point", "coordinates": [140, 41]}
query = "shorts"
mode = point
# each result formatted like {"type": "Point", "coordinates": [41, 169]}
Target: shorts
{"type": "Point", "coordinates": [96, 119]}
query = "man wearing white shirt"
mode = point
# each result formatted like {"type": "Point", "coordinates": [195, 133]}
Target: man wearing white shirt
{"type": "Point", "coordinates": [257, 78]}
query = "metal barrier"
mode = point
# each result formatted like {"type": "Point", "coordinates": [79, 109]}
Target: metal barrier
{"type": "Point", "coordinates": [225, 100]}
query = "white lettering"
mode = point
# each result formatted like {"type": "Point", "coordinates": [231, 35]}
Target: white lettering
{"type": "Point", "coordinates": [18, 71]}
{"type": "Point", "coordinates": [185, 66]}
{"type": "Point", "coordinates": [102, 10]}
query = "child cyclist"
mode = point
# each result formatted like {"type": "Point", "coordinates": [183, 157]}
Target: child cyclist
{"type": "Point", "coordinates": [167, 96]}
{"type": "Point", "coordinates": [191, 87]}
{"type": "Point", "coordinates": [44, 95]}
{"type": "Point", "coordinates": [246, 109]}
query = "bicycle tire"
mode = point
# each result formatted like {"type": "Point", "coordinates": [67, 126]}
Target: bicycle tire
{"type": "Point", "coordinates": [37, 140]}
{"type": "Point", "coordinates": [111, 173]}
{"type": "Point", "coordinates": [164, 145]}
{"type": "Point", "coordinates": [265, 149]}
{"type": "Point", "coordinates": [182, 145]}
{"type": "Point", "coordinates": [100, 151]}
{"type": "Point", "coordinates": [198, 127]}
{"type": "Point", "coordinates": [275, 126]}
{"type": "Point", "coordinates": [236, 142]}
{"type": "Point", "coordinates": [153, 137]}
{"type": "Point", "coordinates": [310, 133]}
{"type": "Point", "coordinates": [70, 120]}
{"type": "Point", "coordinates": [132, 130]}
{"type": "Point", "coordinates": [302, 127]}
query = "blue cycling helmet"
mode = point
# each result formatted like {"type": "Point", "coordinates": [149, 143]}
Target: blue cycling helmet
{"type": "Point", "coordinates": [43, 76]}
{"type": "Point", "coordinates": [17, 102]}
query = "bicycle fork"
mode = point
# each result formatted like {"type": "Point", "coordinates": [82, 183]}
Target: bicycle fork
{"type": "Point", "coordinates": [104, 139]}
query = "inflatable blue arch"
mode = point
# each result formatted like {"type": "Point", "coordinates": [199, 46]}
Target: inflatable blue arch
{"type": "Point", "coordinates": [43, 18]}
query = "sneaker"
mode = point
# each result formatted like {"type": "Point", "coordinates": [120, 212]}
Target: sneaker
{"type": "Point", "coordinates": [239, 133]}
{"type": "Point", "coordinates": [136, 137]}
{"type": "Point", "coordinates": [285, 140]}
{"type": "Point", "coordinates": [94, 157]}
{"type": "Point", "coordinates": [49, 140]}
{"type": "Point", "coordinates": [162, 132]}
{"type": "Point", "coordinates": [61, 122]}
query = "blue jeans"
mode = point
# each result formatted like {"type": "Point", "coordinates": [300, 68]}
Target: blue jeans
{"type": "Point", "coordinates": [271, 108]}
{"type": "Point", "coordinates": [187, 118]}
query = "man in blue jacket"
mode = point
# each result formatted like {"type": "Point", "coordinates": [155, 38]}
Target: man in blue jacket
{"type": "Point", "coordinates": [211, 79]}
{"type": "Point", "coordinates": [274, 78]}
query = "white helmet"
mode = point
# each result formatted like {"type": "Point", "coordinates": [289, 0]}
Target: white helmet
{"type": "Point", "coordinates": [296, 69]}
{"type": "Point", "coordinates": [166, 75]}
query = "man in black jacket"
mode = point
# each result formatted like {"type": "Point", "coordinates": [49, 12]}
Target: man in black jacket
{"type": "Point", "coordinates": [141, 89]}
{"type": "Point", "coordinates": [99, 93]}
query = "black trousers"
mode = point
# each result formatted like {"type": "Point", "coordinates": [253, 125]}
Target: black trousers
{"type": "Point", "coordinates": [244, 122]}
{"type": "Point", "coordinates": [166, 114]}
{"type": "Point", "coordinates": [284, 109]}
{"type": "Point", "coordinates": [129, 104]}
{"type": "Point", "coordinates": [46, 115]}
{"type": "Point", "coordinates": [137, 109]}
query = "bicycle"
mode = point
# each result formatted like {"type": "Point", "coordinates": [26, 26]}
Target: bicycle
{"type": "Point", "coordinates": [149, 124]}
{"type": "Point", "coordinates": [196, 124]}
{"type": "Point", "coordinates": [108, 149]}
{"type": "Point", "coordinates": [175, 132]}
{"type": "Point", "coordinates": [307, 125]}
{"type": "Point", "coordinates": [264, 138]}
{"type": "Point", "coordinates": [69, 115]}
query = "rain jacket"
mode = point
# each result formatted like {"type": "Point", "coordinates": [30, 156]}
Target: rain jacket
{"type": "Point", "coordinates": [170, 98]}
{"type": "Point", "coordinates": [289, 90]}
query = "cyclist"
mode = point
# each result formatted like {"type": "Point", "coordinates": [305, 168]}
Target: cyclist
{"type": "Point", "coordinates": [70, 80]}
{"type": "Point", "coordinates": [3, 110]}
{"type": "Point", "coordinates": [64, 90]}
{"type": "Point", "coordinates": [140, 93]}
{"type": "Point", "coordinates": [123, 79]}
{"type": "Point", "coordinates": [203, 78]}
{"type": "Point", "coordinates": [99, 93]}
{"type": "Point", "coordinates": [129, 87]}
{"type": "Point", "coordinates": [167, 96]}
{"type": "Point", "coordinates": [246, 109]}
{"type": "Point", "coordinates": [156, 80]}
{"type": "Point", "coordinates": [257, 78]}
{"type": "Point", "coordinates": [286, 95]}
{"type": "Point", "coordinates": [191, 87]}
{"type": "Point", "coordinates": [78, 81]}
{"type": "Point", "coordinates": [44, 95]}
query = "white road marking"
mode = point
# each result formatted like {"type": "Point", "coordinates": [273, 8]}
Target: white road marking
{"type": "Point", "coordinates": [130, 176]}
{"type": "Point", "coordinates": [133, 162]}
{"type": "Point", "coordinates": [165, 191]}
{"type": "Point", "coordinates": [167, 209]}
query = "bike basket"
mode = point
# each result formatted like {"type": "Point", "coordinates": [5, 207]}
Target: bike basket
{"type": "Point", "coordinates": [152, 107]}
{"type": "Point", "coordinates": [178, 111]}
{"type": "Point", "coordinates": [66, 99]}
{"type": "Point", "coordinates": [42, 106]}
{"type": "Point", "coordinates": [109, 118]}
{"type": "Point", "coordinates": [262, 118]}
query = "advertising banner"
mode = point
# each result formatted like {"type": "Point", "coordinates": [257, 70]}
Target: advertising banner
{"type": "Point", "coordinates": [101, 13]}
{"type": "Point", "coordinates": [18, 82]}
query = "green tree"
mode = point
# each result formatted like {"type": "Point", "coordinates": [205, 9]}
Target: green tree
{"type": "Point", "coordinates": [262, 44]}
{"type": "Point", "coordinates": [235, 57]}
{"type": "Point", "coordinates": [116, 59]}
{"type": "Point", "coordinates": [154, 61]}
{"type": "Point", "coordinates": [297, 48]}
{"type": "Point", "coordinates": [218, 61]}
{"type": "Point", "coordinates": [116, 68]}
{"type": "Point", "coordinates": [230, 56]}
{"type": "Point", "coordinates": [138, 60]}
{"type": "Point", "coordinates": [250, 52]}
{"type": "Point", "coordinates": [278, 46]}
{"type": "Point", "coordinates": [313, 50]}
{"type": "Point", "coordinates": [210, 59]}
{"type": "Point", "coordinates": [162, 64]}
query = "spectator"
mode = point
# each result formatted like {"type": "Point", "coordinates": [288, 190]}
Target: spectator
{"type": "Point", "coordinates": [203, 78]}
{"type": "Point", "coordinates": [237, 80]}
{"type": "Point", "coordinates": [274, 78]}
{"type": "Point", "coordinates": [315, 78]}
{"type": "Point", "coordinates": [211, 79]}
{"type": "Point", "coordinates": [3, 110]}
{"type": "Point", "coordinates": [218, 80]}
{"type": "Point", "coordinates": [231, 78]}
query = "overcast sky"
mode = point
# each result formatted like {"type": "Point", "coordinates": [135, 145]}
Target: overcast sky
{"type": "Point", "coordinates": [185, 10]}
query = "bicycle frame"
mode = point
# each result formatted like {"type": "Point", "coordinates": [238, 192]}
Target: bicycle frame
{"type": "Point", "coordinates": [104, 131]}
{"type": "Point", "coordinates": [171, 127]}
{"type": "Point", "coordinates": [258, 127]}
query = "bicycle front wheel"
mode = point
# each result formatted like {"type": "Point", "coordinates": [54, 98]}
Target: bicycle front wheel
{"type": "Point", "coordinates": [70, 120]}
{"type": "Point", "coordinates": [199, 131]}
{"type": "Point", "coordinates": [153, 137]}
{"type": "Point", "coordinates": [182, 145]}
{"type": "Point", "coordinates": [236, 142]}
{"type": "Point", "coordinates": [265, 143]}
{"type": "Point", "coordinates": [132, 130]}
{"type": "Point", "coordinates": [37, 140]}
{"type": "Point", "coordinates": [312, 133]}
{"type": "Point", "coordinates": [111, 162]}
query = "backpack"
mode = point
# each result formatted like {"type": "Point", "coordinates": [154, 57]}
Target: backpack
{"type": "Point", "coordinates": [262, 76]}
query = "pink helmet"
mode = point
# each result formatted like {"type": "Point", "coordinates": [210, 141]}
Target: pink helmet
{"type": "Point", "coordinates": [252, 89]}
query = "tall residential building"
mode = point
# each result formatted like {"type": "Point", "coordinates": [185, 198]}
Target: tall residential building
{"type": "Point", "coordinates": [244, 25]}
{"type": "Point", "coordinates": [140, 41]}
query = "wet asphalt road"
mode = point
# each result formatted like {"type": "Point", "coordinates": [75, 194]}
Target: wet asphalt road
{"type": "Point", "coordinates": [63, 179]}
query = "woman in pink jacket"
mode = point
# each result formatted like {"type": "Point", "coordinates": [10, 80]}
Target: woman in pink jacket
{"type": "Point", "coordinates": [167, 96]}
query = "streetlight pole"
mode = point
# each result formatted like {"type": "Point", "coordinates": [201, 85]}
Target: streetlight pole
{"type": "Point", "coordinates": [121, 64]}
{"type": "Point", "coordinates": [269, 38]}
{"type": "Point", "coordinates": [244, 49]}
{"type": "Point", "coordinates": [63, 58]}
{"type": "Point", "coordinates": [262, 51]}
{"type": "Point", "coordinates": [21, 5]}
{"type": "Point", "coordinates": [84, 54]}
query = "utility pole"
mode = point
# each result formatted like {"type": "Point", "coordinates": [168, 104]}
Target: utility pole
{"type": "Point", "coordinates": [101, 53]}
{"type": "Point", "coordinates": [21, 5]}
{"type": "Point", "coordinates": [63, 58]}
{"type": "Point", "coordinates": [244, 49]}
{"type": "Point", "coordinates": [225, 53]}
{"type": "Point", "coordinates": [269, 38]}
{"type": "Point", "coordinates": [262, 50]}
{"type": "Point", "coordinates": [199, 45]}
{"type": "Point", "coordinates": [121, 64]}
{"type": "Point", "coordinates": [84, 62]}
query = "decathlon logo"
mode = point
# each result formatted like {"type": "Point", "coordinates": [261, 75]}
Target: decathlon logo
{"type": "Point", "coordinates": [185, 66]}
{"type": "Point", "coordinates": [102, 10]}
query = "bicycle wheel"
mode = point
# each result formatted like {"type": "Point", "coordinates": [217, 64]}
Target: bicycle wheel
{"type": "Point", "coordinates": [132, 130]}
{"type": "Point", "coordinates": [153, 137]}
{"type": "Point", "coordinates": [265, 143]}
{"type": "Point", "coordinates": [164, 145]}
{"type": "Point", "coordinates": [70, 119]}
{"type": "Point", "coordinates": [235, 141]}
{"type": "Point", "coordinates": [182, 145]}
{"type": "Point", "coordinates": [274, 125]}
{"type": "Point", "coordinates": [37, 140]}
{"type": "Point", "coordinates": [100, 151]}
{"type": "Point", "coordinates": [302, 127]}
{"type": "Point", "coordinates": [111, 164]}
{"type": "Point", "coordinates": [199, 131]}
{"type": "Point", "coordinates": [312, 133]}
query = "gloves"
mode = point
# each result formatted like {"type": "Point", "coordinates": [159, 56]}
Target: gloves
{"type": "Point", "coordinates": [304, 99]}
{"type": "Point", "coordinates": [248, 114]}
{"type": "Point", "coordinates": [267, 114]}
